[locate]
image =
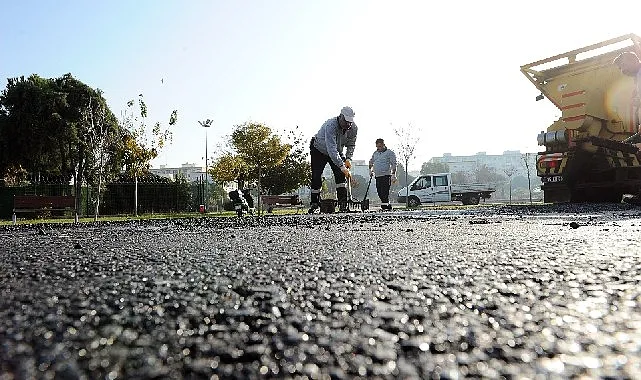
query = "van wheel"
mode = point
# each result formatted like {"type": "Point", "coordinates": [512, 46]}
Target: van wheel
{"type": "Point", "coordinates": [414, 201]}
{"type": "Point", "coordinates": [472, 199]}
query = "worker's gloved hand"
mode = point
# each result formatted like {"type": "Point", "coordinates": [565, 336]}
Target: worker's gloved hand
{"type": "Point", "coordinates": [346, 172]}
{"type": "Point", "coordinates": [394, 179]}
{"type": "Point", "coordinates": [371, 173]}
{"type": "Point", "coordinates": [348, 164]}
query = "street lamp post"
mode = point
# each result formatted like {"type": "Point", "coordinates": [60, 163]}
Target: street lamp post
{"type": "Point", "coordinates": [206, 124]}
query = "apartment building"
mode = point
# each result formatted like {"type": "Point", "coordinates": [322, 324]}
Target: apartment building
{"type": "Point", "coordinates": [510, 160]}
{"type": "Point", "coordinates": [189, 171]}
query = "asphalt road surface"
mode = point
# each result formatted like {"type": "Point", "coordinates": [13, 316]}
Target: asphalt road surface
{"type": "Point", "coordinates": [490, 291]}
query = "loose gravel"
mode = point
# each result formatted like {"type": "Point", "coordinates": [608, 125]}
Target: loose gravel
{"type": "Point", "coordinates": [521, 292]}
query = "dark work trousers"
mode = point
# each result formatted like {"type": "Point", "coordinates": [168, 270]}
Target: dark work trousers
{"type": "Point", "coordinates": [319, 161]}
{"type": "Point", "coordinates": [383, 184]}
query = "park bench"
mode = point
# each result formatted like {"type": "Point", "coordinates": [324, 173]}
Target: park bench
{"type": "Point", "coordinates": [271, 201]}
{"type": "Point", "coordinates": [42, 203]}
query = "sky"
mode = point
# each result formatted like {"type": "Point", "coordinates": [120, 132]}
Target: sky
{"type": "Point", "coordinates": [448, 71]}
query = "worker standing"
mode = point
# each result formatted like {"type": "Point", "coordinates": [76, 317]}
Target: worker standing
{"type": "Point", "coordinates": [382, 167]}
{"type": "Point", "coordinates": [335, 135]}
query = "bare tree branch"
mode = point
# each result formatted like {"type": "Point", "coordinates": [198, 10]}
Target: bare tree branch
{"type": "Point", "coordinates": [408, 137]}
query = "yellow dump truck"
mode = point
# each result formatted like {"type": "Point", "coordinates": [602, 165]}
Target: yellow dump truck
{"type": "Point", "coordinates": [589, 155]}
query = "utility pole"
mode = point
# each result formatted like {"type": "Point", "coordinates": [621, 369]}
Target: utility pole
{"type": "Point", "coordinates": [206, 124]}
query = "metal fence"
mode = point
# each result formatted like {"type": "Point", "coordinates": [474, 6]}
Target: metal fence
{"type": "Point", "coordinates": [117, 198]}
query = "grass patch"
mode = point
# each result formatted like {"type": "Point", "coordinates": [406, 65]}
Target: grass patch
{"type": "Point", "coordinates": [122, 218]}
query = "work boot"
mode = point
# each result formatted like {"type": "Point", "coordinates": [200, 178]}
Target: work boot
{"type": "Point", "coordinates": [341, 195]}
{"type": "Point", "coordinates": [632, 199]}
{"type": "Point", "coordinates": [314, 209]}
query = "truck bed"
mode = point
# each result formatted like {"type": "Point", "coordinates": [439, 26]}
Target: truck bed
{"type": "Point", "coordinates": [472, 188]}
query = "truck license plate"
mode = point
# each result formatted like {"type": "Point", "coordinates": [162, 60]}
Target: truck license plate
{"type": "Point", "coordinates": [556, 178]}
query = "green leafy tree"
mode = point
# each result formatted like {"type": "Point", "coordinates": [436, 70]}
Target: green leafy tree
{"type": "Point", "coordinates": [254, 149]}
{"type": "Point", "coordinates": [142, 145]}
{"type": "Point", "coordinates": [293, 172]}
{"type": "Point", "coordinates": [227, 168]}
{"type": "Point", "coordinates": [11, 173]}
{"type": "Point", "coordinates": [45, 129]}
{"type": "Point", "coordinates": [89, 123]}
{"type": "Point", "coordinates": [258, 148]}
{"type": "Point", "coordinates": [328, 189]}
{"type": "Point", "coordinates": [434, 165]}
{"type": "Point", "coordinates": [184, 194]}
{"type": "Point", "coordinates": [218, 195]}
{"type": "Point", "coordinates": [33, 125]}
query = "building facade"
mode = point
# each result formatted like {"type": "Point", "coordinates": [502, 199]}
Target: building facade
{"type": "Point", "coordinates": [511, 161]}
{"type": "Point", "coordinates": [190, 172]}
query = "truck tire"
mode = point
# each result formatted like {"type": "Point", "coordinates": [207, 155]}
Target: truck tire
{"type": "Point", "coordinates": [471, 199]}
{"type": "Point", "coordinates": [414, 201]}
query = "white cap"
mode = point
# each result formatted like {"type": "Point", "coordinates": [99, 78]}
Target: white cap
{"type": "Point", "coordinates": [348, 114]}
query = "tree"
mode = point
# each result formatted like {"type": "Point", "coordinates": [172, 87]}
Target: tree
{"type": "Point", "coordinates": [45, 129]}
{"type": "Point", "coordinates": [526, 163]}
{"type": "Point", "coordinates": [227, 168]}
{"type": "Point", "coordinates": [141, 145]}
{"type": "Point", "coordinates": [401, 173]}
{"type": "Point", "coordinates": [408, 138]}
{"type": "Point", "coordinates": [485, 174]}
{"type": "Point", "coordinates": [328, 188]}
{"type": "Point", "coordinates": [98, 120]}
{"type": "Point", "coordinates": [293, 172]}
{"type": "Point", "coordinates": [31, 133]}
{"type": "Point", "coordinates": [254, 148]}
{"type": "Point", "coordinates": [519, 181]}
{"type": "Point", "coordinates": [434, 165]}
{"type": "Point", "coordinates": [359, 185]}
{"type": "Point", "coordinates": [509, 172]}
{"type": "Point", "coordinates": [13, 174]}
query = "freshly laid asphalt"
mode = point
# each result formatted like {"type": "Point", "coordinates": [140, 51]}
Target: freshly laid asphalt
{"type": "Point", "coordinates": [491, 291]}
